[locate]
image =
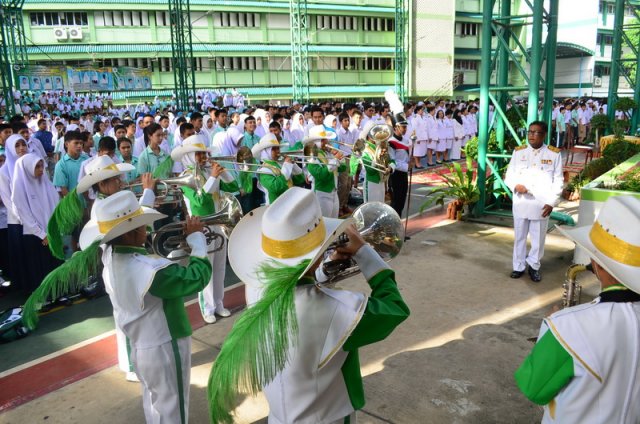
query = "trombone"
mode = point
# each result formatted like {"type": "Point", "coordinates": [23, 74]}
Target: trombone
{"type": "Point", "coordinates": [169, 186]}
{"type": "Point", "coordinates": [243, 162]}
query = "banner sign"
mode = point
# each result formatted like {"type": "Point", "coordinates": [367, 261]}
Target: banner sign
{"type": "Point", "coordinates": [39, 78]}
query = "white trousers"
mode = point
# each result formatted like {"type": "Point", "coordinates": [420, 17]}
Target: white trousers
{"type": "Point", "coordinates": [212, 296]}
{"type": "Point", "coordinates": [124, 350]}
{"type": "Point", "coordinates": [165, 372]}
{"type": "Point", "coordinates": [373, 192]}
{"type": "Point", "coordinates": [329, 203]}
{"type": "Point", "coordinates": [537, 230]}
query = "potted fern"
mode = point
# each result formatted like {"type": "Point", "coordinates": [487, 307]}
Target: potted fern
{"type": "Point", "coordinates": [461, 186]}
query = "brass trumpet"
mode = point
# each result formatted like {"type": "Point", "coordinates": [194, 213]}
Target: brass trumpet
{"type": "Point", "coordinates": [243, 162]}
{"type": "Point", "coordinates": [170, 241]}
{"type": "Point", "coordinates": [170, 187]}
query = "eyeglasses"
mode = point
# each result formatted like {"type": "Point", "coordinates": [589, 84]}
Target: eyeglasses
{"type": "Point", "coordinates": [535, 132]}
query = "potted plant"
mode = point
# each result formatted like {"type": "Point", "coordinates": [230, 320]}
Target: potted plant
{"type": "Point", "coordinates": [460, 185]}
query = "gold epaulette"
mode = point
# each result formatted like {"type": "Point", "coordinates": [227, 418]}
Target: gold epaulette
{"type": "Point", "coordinates": [554, 149]}
{"type": "Point", "coordinates": [524, 146]}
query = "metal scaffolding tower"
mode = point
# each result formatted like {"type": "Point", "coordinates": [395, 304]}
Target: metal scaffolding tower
{"type": "Point", "coordinates": [505, 27]}
{"type": "Point", "coordinates": [13, 53]}
{"type": "Point", "coordinates": [182, 53]}
{"type": "Point", "coordinates": [620, 64]}
{"type": "Point", "coordinates": [402, 48]}
{"type": "Point", "coordinates": [299, 50]}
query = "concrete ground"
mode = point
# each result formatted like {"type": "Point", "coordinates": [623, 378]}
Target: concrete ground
{"type": "Point", "coordinates": [452, 361]}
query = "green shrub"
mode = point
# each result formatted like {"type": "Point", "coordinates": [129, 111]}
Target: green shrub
{"type": "Point", "coordinates": [630, 181]}
{"type": "Point", "coordinates": [597, 167]}
{"type": "Point", "coordinates": [471, 148]}
{"type": "Point", "coordinates": [621, 150]}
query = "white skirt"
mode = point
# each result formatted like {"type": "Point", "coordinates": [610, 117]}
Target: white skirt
{"type": "Point", "coordinates": [456, 146]}
{"type": "Point", "coordinates": [420, 148]}
{"type": "Point", "coordinates": [449, 143]}
{"type": "Point", "coordinates": [442, 145]}
{"type": "Point", "coordinates": [431, 144]}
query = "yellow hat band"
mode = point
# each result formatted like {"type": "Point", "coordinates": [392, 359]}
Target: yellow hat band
{"type": "Point", "coordinates": [199, 146]}
{"type": "Point", "coordinates": [613, 247]}
{"type": "Point", "coordinates": [106, 226]}
{"type": "Point", "coordinates": [286, 249]}
{"type": "Point", "coordinates": [112, 167]}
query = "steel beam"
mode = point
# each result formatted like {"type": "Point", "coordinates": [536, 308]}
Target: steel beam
{"type": "Point", "coordinates": [402, 48]}
{"type": "Point", "coordinates": [616, 51]}
{"type": "Point", "coordinates": [13, 51]}
{"type": "Point", "coordinates": [299, 50]}
{"type": "Point", "coordinates": [485, 81]}
{"type": "Point", "coordinates": [536, 62]}
{"type": "Point", "coordinates": [550, 64]}
{"type": "Point", "coordinates": [182, 53]}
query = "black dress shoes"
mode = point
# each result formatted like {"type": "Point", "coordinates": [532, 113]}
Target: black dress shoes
{"type": "Point", "coordinates": [516, 274]}
{"type": "Point", "coordinates": [535, 275]}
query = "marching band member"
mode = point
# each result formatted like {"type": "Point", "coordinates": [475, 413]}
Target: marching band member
{"type": "Point", "coordinates": [374, 177]}
{"type": "Point", "coordinates": [105, 178]}
{"type": "Point", "coordinates": [202, 202]}
{"type": "Point", "coordinates": [400, 151]}
{"type": "Point", "coordinates": [324, 170]}
{"type": "Point", "coordinates": [147, 294]}
{"type": "Point", "coordinates": [585, 365]}
{"type": "Point", "coordinates": [273, 178]}
{"type": "Point", "coordinates": [276, 251]}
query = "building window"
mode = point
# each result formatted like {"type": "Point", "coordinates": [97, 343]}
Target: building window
{"type": "Point", "coordinates": [611, 8]}
{"type": "Point", "coordinates": [465, 65]}
{"type": "Point", "coordinates": [236, 20]}
{"type": "Point", "coordinates": [59, 19]}
{"type": "Point", "coordinates": [125, 18]}
{"type": "Point", "coordinates": [605, 39]}
{"type": "Point", "coordinates": [238, 63]}
{"type": "Point", "coordinates": [279, 64]}
{"type": "Point", "coordinates": [377, 64]}
{"type": "Point", "coordinates": [602, 70]}
{"type": "Point", "coordinates": [347, 23]}
{"type": "Point", "coordinates": [378, 24]}
{"type": "Point", "coordinates": [467, 29]}
{"type": "Point", "coordinates": [347, 63]}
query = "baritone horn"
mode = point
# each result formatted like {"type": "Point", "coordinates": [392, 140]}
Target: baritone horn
{"type": "Point", "coordinates": [380, 226]}
{"type": "Point", "coordinates": [170, 241]}
{"type": "Point", "coordinates": [573, 289]}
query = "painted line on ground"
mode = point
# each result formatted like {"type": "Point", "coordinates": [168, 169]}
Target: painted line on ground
{"type": "Point", "coordinates": [56, 370]}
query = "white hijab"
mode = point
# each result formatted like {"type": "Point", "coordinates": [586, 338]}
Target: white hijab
{"type": "Point", "coordinates": [11, 155]}
{"type": "Point", "coordinates": [33, 195]}
{"type": "Point", "coordinates": [297, 129]}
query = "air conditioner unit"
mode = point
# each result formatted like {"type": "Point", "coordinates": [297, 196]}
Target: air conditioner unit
{"type": "Point", "coordinates": [60, 33]}
{"type": "Point", "coordinates": [75, 33]}
{"type": "Point", "coordinates": [597, 81]}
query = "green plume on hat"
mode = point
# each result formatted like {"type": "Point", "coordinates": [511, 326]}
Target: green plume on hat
{"type": "Point", "coordinates": [256, 349]}
{"type": "Point", "coordinates": [164, 169]}
{"type": "Point", "coordinates": [66, 217]}
{"type": "Point", "coordinates": [67, 278]}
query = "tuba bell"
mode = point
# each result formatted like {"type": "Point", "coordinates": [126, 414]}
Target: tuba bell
{"type": "Point", "coordinates": [380, 226]}
{"type": "Point", "coordinates": [170, 241]}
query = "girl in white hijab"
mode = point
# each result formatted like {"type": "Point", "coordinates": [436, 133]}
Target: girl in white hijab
{"type": "Point", "coordinates": [34, 198]}
{"type": "Point", "coordinates": [297, 128]}
{"type": "Point", "coordinates": [16, 146]}
{"type": "Point", "coordinates": [263, 119]}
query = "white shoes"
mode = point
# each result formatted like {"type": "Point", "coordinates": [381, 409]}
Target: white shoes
{"type": "Point", "coordinates": [131, 376]}
{"type": "Point", "coordinates": [223, 312]}
{"type": "Point", "coordinates": [209, 319]}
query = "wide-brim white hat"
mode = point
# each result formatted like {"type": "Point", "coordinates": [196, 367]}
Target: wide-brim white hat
{"type": "Point", "coordinates": [191, 144]}
{"type": "Point", "coordinates": [613, 240]}
{"type": "Point", "coordinates": [267, 141]}
{"type": "Point", "coordinates": [319, 132]}
{"type": "Point", "coordinates": [304, 234]}
{"type": "Point", "coordinates": [99, 169]}
{"type": "Point", "coordinates": [114, 216]}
